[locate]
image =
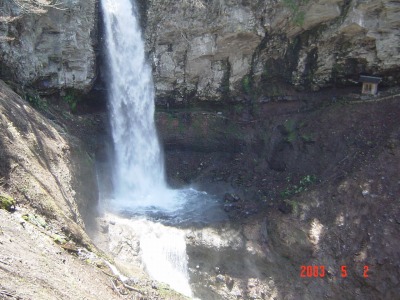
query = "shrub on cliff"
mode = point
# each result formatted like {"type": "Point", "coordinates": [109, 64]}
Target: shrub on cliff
{"type": "Point", "coordinates": [7, 203]}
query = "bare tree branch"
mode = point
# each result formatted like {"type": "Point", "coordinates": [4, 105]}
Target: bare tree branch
{"type": "Point", "coordinates": [37, 6]}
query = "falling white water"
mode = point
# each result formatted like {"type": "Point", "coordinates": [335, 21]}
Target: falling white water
{"type": "Point", "coordinates": [139, 170]}
{"type": "Point", "coordinates": [139, 181]}
{"type": "Point", "coordinates": [163, 249]}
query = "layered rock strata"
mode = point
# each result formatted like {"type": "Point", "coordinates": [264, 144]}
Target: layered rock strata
{"type": "Point", "coordinates": [221, 49]}
{"type": "Point", "coordinates": [50, 47]}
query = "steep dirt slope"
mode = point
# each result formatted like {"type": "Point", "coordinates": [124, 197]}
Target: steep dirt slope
{"type": "Point", "coordinates": [33, 266]}
{"type": "Point", "coordinates": [36, 166]}
{"type": "Point", "coordinates": [37, 170]}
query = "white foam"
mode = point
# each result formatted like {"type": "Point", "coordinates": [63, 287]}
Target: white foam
{"type": "Point", "coordinates": [139, 180]}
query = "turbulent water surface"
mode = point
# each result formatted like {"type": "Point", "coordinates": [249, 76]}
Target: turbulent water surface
{"type": "Point", "coordinates": [139, 186]}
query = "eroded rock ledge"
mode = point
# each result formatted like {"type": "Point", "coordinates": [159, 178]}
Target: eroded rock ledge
{"type": "Point", "coordinates": [222, 49]}
{"type": "Point", "coordinates": [51, 48]}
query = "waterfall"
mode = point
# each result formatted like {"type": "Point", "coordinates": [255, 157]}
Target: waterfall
{"type": "Point", "coordinates": [139, 182]}
{"type": "Point", "coordinates": [163, 249]}
{"type": "Point", "coordinates": [138, 167]}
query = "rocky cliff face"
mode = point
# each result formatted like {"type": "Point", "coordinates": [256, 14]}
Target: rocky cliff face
{"type": "Point", "coordinates": [50, 48]}
{"type": "Point", "coordinates": [225, 48]}
{"type": "Point", "coordinates": [215, 49]}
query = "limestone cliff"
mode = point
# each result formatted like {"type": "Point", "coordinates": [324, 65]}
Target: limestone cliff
{"type": "Point", "coordinates": [222, 48]}
{"type": "Point", "coordinates": [49, 48]}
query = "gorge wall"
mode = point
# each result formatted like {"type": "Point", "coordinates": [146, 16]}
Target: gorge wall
{"type": "Point", "coordinates": [214, 49]}
{"type": "Point", "coordinates": [226, 50]}
{"type": "Point", "coordinates": [222, 49]}
{"type": "Point", "coordinates": [49, 47]}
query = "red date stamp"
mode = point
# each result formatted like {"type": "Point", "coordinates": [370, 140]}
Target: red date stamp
{"type": "Point", "coordinates": [320, 271]}
{"type": "Point", "coordinates": [312, 271]}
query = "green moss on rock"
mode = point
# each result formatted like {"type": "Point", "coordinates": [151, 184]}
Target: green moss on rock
{"type": "Point", "coordinates": [7, 203]}
{"type": "Point", "coordinates": [35, 220]}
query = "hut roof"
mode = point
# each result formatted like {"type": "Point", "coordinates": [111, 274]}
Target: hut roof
{"type": "Point", "coordinates": [369, 79]}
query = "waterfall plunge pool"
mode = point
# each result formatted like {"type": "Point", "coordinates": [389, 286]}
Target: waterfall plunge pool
{"type": "Point", "coordinates": [180, 208]}
{"type": "Point", "coordinates": [160, 233]}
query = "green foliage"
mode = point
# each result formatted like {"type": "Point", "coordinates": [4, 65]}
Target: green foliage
{"type": "Point", "coordinates": [337, 71]}
{"type": "Point", "coordinates": [246, 84]}
{"type": "Point", "coordinates": [308, 180]}
{"type": "Point", "coordinates": [238, 109]}
{"type": "Point", "coordinates": [265, 137]}
{"type": "Point", "coordinates": [294, 205]}
{"type": "Point", "coordinates": [35, 220]}
{"type": "Point", "coordinates": [233, 130]}
{"type": "Point", "coordinates": [181, 127]}
{"type": "Point", "coordinates": [35, 100]}
{"type": "Point", "coordinates": [275, 90]}
{"type": "Point", "coordinates": [290, 127]}
{"type": "Point", "coordinates": [291, 137]}
{"type": "Point", "coordinates": [72, 99]}
{"type": "Point", "coordinates": [225, 91]}
{"type": "Point", "coordinates": [299, 18]}
{"type": "Point", "coordinates": [7, 203]}
{"type": "Point", "coordinates": [266, 72]}
{"type": "Point", "coordinates": [308, 138]}
{"type": "Point", "coordinates": [171, 118]}
{"type": "Point", "coordinates": [59, 239]}
{"type": "Point", "coordinates": [294, 6]}
{"type": "Point", "coordinates": [302, 186]}
{"type": "Point", "coordinates": [286, 193]}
